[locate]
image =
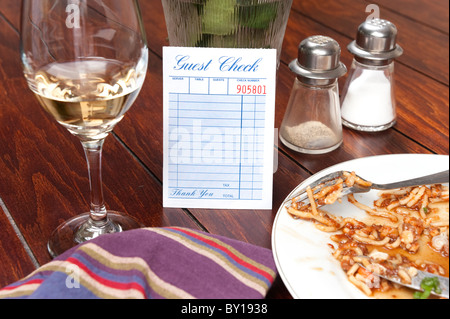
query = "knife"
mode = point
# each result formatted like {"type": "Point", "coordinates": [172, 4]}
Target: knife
{"type": "Point", "coordinates": [416, 281]}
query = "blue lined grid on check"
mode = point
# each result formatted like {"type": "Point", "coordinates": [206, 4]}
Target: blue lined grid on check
{"type": "Point", "coordinates": [224, 158]}
{"type": "Point", "coordinates": [216, 140]}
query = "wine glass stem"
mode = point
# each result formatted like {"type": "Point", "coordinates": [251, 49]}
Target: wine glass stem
{"type": "Point", "coordinates": [93, 151]}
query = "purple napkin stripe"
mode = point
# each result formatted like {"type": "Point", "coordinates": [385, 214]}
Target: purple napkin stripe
{"type": "Point", "coordinates": [98, 285]}
{"type": "Point", "coordinates": [225, 255]}
{"type": "Point", "coordinates": [108, 276]}
{"type": "Point", "coordinates": [23, 288]}
{"type": "Point", "coordinates": [109, 271]}
{"type": "Point", "coordinates": [103, 274]}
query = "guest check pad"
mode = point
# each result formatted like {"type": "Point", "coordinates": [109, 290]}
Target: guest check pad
{"type": "Point", "coordinates": [219, 114]}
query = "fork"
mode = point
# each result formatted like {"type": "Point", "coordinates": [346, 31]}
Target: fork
{"type": "Point", "coordinates": [330, 180]}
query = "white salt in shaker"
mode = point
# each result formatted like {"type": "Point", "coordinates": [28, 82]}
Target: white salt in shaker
{"type": "Point", "coordinates": [312, 123]}
{"type": "Point", "coordinates": [368, 97]}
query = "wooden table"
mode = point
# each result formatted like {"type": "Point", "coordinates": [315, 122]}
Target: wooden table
{"type": "Point", "coordinates": [43, 176]}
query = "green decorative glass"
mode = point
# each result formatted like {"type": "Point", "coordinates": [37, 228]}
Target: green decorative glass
{"type": "Point", "coordinates": [227, 23]}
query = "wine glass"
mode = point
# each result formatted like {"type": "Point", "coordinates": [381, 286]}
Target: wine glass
{"type": "Point", "coordinates": [86, 61]}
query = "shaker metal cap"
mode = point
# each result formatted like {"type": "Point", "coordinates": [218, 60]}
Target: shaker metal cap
{"type": "Point", "coordinates": [319, 58]}
{"type": "Point", "coordinates": [376, 40]}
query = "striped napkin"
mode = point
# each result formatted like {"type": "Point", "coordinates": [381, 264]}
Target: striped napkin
{"type": "Point", "coordinates": [153, 263]}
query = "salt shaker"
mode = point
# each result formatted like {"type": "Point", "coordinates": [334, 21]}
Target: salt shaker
{"type": "Point", "coordinates": [312, 123]}
{"type": "Point", "coordinates": [368, 97]}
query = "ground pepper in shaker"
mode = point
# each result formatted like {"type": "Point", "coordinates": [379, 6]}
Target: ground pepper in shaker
{"type": "Point", "coordinates": [312, 123]}
{"type": "Point", "coordinates": [368, 97]}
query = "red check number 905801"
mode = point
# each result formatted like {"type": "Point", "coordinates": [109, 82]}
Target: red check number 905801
{"type": "Point", "coordinates": [251, 89]}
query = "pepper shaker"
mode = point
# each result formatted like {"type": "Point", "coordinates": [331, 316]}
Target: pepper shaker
{"type": "Point", "coordinates": [312, 123]}
{"type": "Point", "coordinates": [368, 97]}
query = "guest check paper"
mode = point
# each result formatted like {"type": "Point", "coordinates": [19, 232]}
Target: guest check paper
{"type": "Point", "coordinates": [219, 114]}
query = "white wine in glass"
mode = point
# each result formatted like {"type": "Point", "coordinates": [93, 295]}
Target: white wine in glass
{"type": "Point", "coordinates": [86, 62]}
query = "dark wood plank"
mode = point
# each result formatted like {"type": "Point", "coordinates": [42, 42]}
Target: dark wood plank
{"type": "Point", "coordinates": [431, 13]}
{"type": "Point", "coordinates": [14, 260]}
{"type": "Point", "coordinates": [142, 128]}
{"type": "Point", "coordinates": [15, 263]}
{"type": "Point", "coordinates": [10, 10]}
{"type": "Point", "coordinates": [10, 56]}
{"type": "Point", "coordinates": [426, 49]}
{"type": "Point", "coordinates": [423, 103]}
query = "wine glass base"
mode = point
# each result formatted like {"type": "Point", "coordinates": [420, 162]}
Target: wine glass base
{"type": "Point", "coordinates": [82, 228]}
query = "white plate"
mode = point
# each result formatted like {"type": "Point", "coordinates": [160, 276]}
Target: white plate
{"type": "Point", "coordinates": [301, 251]}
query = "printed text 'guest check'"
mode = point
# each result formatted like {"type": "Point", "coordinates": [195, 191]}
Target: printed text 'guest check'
{"type": "Point", "coordinates": [219, 107]}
